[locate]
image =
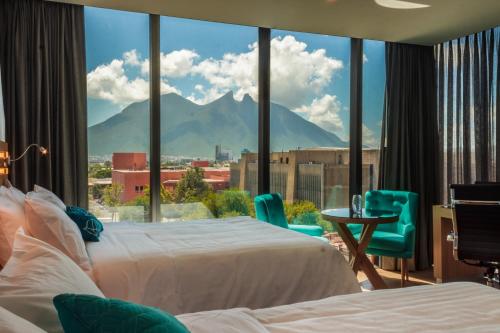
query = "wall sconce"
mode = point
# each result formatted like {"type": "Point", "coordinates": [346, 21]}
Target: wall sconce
{"type": "Point", "coordinates": [6, 160]}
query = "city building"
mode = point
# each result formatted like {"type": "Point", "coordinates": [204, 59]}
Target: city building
{"type": "Point", "coordinates": [319, 175]}
{"type": "Point", "coordinates": [130, 171]}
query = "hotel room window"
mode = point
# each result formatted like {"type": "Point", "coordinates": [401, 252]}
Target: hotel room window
{"type": "Point", "coordinates": [209, 119]}
{"type": "Point", "coordinates": [117, 47]}
{"type": "Point", "coordinates": [373, 110]}
{"type": "Point", "coordinates": [310, 123]}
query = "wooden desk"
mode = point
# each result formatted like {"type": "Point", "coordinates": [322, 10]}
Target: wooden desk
{"type": "Point", "coordinates": [446, 268]}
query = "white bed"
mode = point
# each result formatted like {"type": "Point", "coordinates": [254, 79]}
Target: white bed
{"type": "Point", "coordinates": [455, 307]}
{"type": "Point", "coordinates": [216, 264]}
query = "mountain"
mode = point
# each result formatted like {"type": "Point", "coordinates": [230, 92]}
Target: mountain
{"type": "Point", "coordinates": [193, 130]}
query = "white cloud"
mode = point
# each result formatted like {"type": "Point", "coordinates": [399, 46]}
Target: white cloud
{"type": "Point", "coordinates": [236, 72]}
{"type": "Point", "coordinates": [132, 58]}
{"type": "Point", "coordinates": [175, 64]}
{"type": "Point", "coordinates": [299, 78]}
{"type": "Point", "coordinates": [324, 112]}
{"type": "Point", "coordinates": [298, 75]}
{"type": "Point", "coordinates": [365, 58]}
{"type": "Point", "coordinates": [369, 138]}
{"type": "Point", "coordinates": [110, 82]}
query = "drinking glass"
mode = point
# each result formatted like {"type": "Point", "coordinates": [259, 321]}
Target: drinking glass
{"type": "Point", "coordinates": [357, 204]}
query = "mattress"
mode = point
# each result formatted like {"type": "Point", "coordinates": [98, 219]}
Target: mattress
{"type": "Point", "coordinates": [454, 307]}
{"type": "Point", "coordinates": [184, 267]}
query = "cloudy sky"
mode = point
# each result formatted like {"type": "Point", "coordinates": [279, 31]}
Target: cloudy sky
{"type": "Point", "coordinates": [202, 61]}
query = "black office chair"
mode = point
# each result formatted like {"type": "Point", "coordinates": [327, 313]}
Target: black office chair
{"type": "Point", "coordinates": [476, 226]}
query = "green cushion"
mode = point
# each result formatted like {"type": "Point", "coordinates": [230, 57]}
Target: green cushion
{"type": "Point", "coordinates": [88, 314]}
{"type": "Point", "coordinates": [269, 208]}
{"type": "Point", "coordinates": [383, 240]}
{"type": "Point", "coordinates": [355, 227]}
{"type": "Point", "coordinates": [311, 230]}
{"type": "Point", "coordinates": [89, 225]}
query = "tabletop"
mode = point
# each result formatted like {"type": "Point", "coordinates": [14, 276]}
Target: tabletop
{"type": "Point", "coordinates": [345, 215]}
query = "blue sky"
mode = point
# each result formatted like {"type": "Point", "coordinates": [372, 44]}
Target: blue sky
{"type": "Point", "coordinates": [203, 60]}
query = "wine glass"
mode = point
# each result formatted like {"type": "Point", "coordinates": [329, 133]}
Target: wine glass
{"type": "Point", "coordinates": [357, 204]}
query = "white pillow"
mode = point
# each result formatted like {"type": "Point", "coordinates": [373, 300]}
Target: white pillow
{"type": "Point", "coordinates": [34, 275]}
{"type": "Point", "coordinates": [12, 193]}
{"type": "Point", "coordinates": [10, 323]}
{"type": "Point", "coordinates": [49, 196]}
{"type": "Point", "coordinates": [11, 218]}
{"type": "Point", "coordinates": [48, 223]}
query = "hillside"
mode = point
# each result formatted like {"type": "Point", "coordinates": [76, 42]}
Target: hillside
{"type": "Point", "coordinates": [193, 130]}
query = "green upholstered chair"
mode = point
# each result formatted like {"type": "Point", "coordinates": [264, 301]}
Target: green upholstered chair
{"type": "Point", "coordinates": [269, 208]}
{"type": "Point", "coordinates": [396, 239]}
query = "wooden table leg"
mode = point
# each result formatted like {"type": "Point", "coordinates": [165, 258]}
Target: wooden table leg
{"type": "Point", "coordinates": [360, 260]}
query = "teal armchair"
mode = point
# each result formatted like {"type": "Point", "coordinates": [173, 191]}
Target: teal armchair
{"type": "Point", "coordinates": [396, 239]}
{"type": "Point", "coordinates": [269, 208]}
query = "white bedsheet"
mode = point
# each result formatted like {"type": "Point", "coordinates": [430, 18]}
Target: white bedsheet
{"type": "Point", "coordinates": [216, 264]}
{"type": "Point", "coordinates": [454, 307]}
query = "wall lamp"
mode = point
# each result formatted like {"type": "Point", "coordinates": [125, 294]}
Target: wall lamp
{"type": "Point", "coordinates": [6, 160]}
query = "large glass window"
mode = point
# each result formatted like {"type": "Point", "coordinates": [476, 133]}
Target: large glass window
{"type": "Point", "coordinates": [373, 110]}
{"type": "Point", "coordinates": [209, 119]}
{"type": "Point", "coordinates": [310, 123]}
{"type": "Point", "coordinates": [117, 45]}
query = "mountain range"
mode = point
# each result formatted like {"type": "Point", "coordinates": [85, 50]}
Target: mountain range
{"type": "Point", "coordinates": [193, 130]}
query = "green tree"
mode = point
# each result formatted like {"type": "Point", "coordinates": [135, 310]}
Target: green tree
{"type": "Point", "coordinates": [191, 187]}
{"type": "Point", "coordinates": [143, 199]}
{"type": "Point", "coordinates": [295, 209]}
{"type": "Point", "coordinates": [99, 171]}
{"type": "Point", "coordinates": [112, 198]}
{"type": "Point", "coordinates": [305, 212]}
{"type": "Point", "coordinates": [232, 202]}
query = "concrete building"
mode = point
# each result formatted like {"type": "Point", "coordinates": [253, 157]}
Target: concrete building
{"type": "Point", "coordinates": [319, 175]}
{"type": "Point", "coordinates": [134, 180]}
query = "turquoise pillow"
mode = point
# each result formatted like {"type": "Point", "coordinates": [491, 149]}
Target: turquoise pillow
{"type": "Point", "coordinates": [92, 314]}
{"type": "Point", "coordinates": [89, 225]}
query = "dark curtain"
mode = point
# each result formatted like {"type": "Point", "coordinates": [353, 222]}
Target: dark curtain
{"type": "Point", "coordinates": [42, 58]}
{"type": "Point", "coordinates": [468, 101]}
{"type": "Point", "coordinates": [409, 135]}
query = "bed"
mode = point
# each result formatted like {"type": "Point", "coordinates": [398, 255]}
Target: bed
{"type": "Point", "coordinates": [454, 307]}
{"type": "Point", "coordinates": [184, 267]}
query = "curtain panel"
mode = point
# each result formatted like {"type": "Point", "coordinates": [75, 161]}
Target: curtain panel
{"type": "Point", "coordinates": [42, 58]}
{"type": "Point", "coordinates": [468, 100]}
{"type": "Point", "coordinates": [409, 135]}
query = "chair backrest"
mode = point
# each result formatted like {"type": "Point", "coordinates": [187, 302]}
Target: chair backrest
{"type": "Point", "coordinates": [269, 208]}
{"type": "Point", "coordinates": [400, 202]}
{"type": "Point", "coordinates": [476, 222]}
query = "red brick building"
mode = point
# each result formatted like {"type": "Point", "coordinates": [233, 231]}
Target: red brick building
{"type": "Point", "coordinates": [129, 170]}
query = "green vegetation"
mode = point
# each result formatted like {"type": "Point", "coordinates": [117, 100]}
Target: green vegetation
{"type": "Point", "coordinates": [191, 187]}
{"type": "Point", "coordinates": [100, 171]}
{"type": "Point", "coordinates": [111, 197]}
{"type": "Point", "coordinates": [193, 198]}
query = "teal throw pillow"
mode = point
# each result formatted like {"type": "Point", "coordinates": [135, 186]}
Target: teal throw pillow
{"type": "Point", "coordinates": [89, 225]}
{"type": "Point", "coordinates": [86, 314]}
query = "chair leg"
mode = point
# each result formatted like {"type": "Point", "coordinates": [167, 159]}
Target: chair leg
{"type": "Point", "coordinates": [404, 271]}
{"type": "Point", "coordinates": [407, 271]}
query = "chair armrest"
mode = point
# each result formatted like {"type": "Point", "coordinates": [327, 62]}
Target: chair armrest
{"type": "Point", "coordinates": [311, 230]}
{"type": "Point", "coordinates": [406, 229]}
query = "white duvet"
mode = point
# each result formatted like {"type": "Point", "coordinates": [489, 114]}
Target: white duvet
{"type": "Point", "coordinates": [216, 264]}
{"type": "Point", "coordinates": [455, 307]}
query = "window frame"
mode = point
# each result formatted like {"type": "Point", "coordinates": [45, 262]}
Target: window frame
{"type": "Point", "coordinates": [264, 88]}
